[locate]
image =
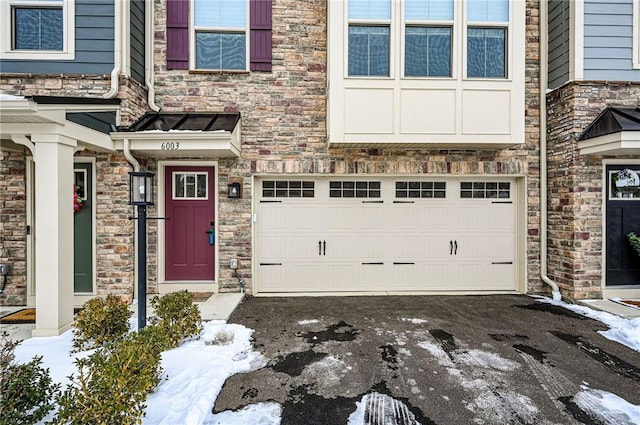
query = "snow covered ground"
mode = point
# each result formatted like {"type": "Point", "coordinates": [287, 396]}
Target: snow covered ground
{"type": "Point", "coordinates": [197, 370]}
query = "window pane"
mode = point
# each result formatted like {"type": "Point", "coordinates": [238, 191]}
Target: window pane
{"type": "Point", "coordinates": [368, 50]}
{"type": "Point", "coordinates": [220, 51]}
{"type": "Point", "coordinates": [202, 186]}
{"type": "Point", "coordinates": [488, 10]}
{"type": "Point", "coordinates": [369, 9]}
{"type": "Point", "coordinates": [427, 52]}
{"type": "Point", "coordinates": [220, 13]}
{"type": "Point", "coordinates": [486, 52]}
{"type": "Point", "coordinates": [179, 186]}
{"type": "Point", "coordinates": [425, 10]}
{"type": "Point", "coordinates": [38, 29]}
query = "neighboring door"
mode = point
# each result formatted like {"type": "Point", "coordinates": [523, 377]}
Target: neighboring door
{"type": "Point", "coordinates": [189, 241]}
{"type": "Point", "coordinates": [623, 217]}
{"type": "Point", "coordinates": [385, 234]}
{"type": "Point", "coordinates": [83, 228]}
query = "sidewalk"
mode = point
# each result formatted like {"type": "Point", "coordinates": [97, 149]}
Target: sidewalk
{"type": "Point", "coordinates": [217, 307]}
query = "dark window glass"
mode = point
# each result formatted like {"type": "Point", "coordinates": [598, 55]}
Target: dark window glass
{"type": "Point", "coordinates": [369, 50]}
{"type": "Point", "coordinates": [38, 29]}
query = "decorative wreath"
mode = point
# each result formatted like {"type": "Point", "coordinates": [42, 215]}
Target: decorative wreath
{"type": "Point", "coordinates": [627, 178]}
{"type": "Point", "coordinates": [78, 202]}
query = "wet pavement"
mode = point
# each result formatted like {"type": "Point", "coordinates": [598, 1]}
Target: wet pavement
{"type": "Point", "coordinates": [505, 359]}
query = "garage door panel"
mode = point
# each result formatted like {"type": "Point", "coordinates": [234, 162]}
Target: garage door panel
{"type": "Point", "coordinates": [418, 232]}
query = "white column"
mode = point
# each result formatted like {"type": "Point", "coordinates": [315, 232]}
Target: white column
{"type": "Point", "coordinates": [53, 233]}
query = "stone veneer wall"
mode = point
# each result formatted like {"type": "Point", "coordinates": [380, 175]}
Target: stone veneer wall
{"type": "Point", "coordinates": [284, 126]}
{"type": "Point", "coordinates": [575, 184]}
{"type": "Point", "coordinates": [114, 231]}
{"type": "Point", "coordinates": [13, 213]}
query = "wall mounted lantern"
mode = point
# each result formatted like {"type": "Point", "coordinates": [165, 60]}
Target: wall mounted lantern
{"type": "Point", "coordinates": [141, 188]}
{"type": "Point", "coordinates": [234, 190]}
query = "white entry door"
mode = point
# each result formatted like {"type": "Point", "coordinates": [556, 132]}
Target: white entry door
{"type": "Point", "coordinates": [372, 235]}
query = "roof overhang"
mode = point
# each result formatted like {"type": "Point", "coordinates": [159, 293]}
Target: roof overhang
{"type": "Point", "coordinates": [183, 134]}
{"type": "Point", "coordinates": [23, 117]}
{"type": "Point", "coordinates": [620, 143]}
{"type": "Point", "coordinates": [181, 143]}
{"type": "Point", "coordinates": [615, 131]}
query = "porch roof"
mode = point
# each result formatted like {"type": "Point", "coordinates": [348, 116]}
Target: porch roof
{"type": "Point", "coordinates": [169, 134]}
{"type": "Point", "coordinates": [86, 120]}
{"type": "Point", "coordinates": [616, 131]}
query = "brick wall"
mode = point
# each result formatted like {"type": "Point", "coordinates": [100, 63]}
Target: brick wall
{"type": "Point", "coordinates": [284, 126]}
{"type": "Point", "coordinates": [575, 184]}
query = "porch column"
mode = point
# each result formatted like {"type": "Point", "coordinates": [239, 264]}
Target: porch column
{"type": "Point", "coordinates": [53, 233]}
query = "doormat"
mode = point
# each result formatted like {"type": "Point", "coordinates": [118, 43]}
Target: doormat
{"type": "Point", "coordinates": [633, 303]}
{"type": "Point", "coordinates": [200, 297]}
{"type": "Point", "coordinates": [24, 316]}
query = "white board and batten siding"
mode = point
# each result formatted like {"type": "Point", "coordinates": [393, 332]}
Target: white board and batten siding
{"type": "Point", "coordinates": [385, 235]}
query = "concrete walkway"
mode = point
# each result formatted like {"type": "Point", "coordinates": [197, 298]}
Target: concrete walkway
{"type": "Point", "coordinates": [217, 307]}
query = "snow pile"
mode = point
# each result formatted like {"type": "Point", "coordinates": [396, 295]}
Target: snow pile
{"type": "Point", "coordinates": [607, 407]}
{"type": "Point", "coordinates": [623, 331]}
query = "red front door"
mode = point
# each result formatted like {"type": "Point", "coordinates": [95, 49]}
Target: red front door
{"type": "Point", "coordinates": [189, 251]}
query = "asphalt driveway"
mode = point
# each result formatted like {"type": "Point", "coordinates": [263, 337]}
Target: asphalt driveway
{"type": "Point", "coordinates": [434, 359]}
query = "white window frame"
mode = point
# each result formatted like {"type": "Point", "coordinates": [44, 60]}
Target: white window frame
{"type": "Point", "coordinates": [192, 38]}
{"type": "Point", "coordinates": [389, 23]}
{"type": "Point", "coordinates": [453, 25]}
{"type": "Point", "coordinates": [487, 25]}
{"type": "Point", "coordinates": [68, 31]}
{"type": "Point", "coordinates": [636, 34]}
{"type": "Point", "coordinates": [196, 174]}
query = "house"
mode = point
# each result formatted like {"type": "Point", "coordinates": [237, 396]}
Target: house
{"type": "Point", "coordinates": [318, 147]}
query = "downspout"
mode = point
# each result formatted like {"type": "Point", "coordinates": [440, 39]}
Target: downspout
{"type": "Point", "coordinates": [555, 290]}
{"type": "Point", "coordinates": [117, 54]}
{"type": "Point", "coordinates": [148, 56]}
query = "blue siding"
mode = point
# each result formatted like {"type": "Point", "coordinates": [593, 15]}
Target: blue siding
{"type": "Point", "coordinates": [558, 29]}
{"type": "Point", "coordinates": [94, 48]}
{"type": "Point", "coordinates": [608, 32]}
{"type": "Point", "coordinates": [137, 41]}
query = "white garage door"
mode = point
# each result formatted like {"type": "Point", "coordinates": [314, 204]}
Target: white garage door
{"type": "Point", "coordinates": [345, 234]}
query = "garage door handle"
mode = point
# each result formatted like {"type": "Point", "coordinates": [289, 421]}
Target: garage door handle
{"type": "Point", "coordinates": [401, 264]}
{"type": "Point", "coordinates": [319, 247]}
{"type": "Point", "coordinates": [502, 262]}
{"type": "Point", "coordinates": [404, 202]}
{"type": "Point", "coordinates": [270, 264]}
{"type": "Point", "coordinates": [450, 247]}
{"type": "Point", "coordinates": [324, 247]}
{"type": "Point", "coordinates": [373, 202]}
{"type": "Point", "coordinates": [455, 249]}
{"type": "Point", "coordinates": [372, 264]}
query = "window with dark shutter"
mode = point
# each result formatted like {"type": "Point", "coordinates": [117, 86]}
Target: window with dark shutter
{"type": "Point", "coordinates": [218, 47]}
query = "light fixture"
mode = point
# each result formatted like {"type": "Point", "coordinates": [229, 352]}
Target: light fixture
{"type": "Point", "coordinates": [140, 188]}
{"type": "Point", "coordinates": [234, 190]}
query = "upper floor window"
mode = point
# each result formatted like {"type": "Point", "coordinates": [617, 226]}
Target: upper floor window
{"type": "Point", "coordinates": [369, 37]}
{"type": "Point", "coordinates": [427, 38]}
{"type": "Point", "coordinates": [427, 33]}
{"type": "Point", "coordinates": [219, 35]}
{"type": "Point", "coordinates": [487, 24]}
{"type": "Point", "coordinates": [38, 29]}
{"type": "Point", "coordinates": [220, 31]}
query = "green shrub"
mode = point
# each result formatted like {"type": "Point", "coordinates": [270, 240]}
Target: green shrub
{"type": "Point", "coordinates": [112, 384]}
{"type": "Point", "coordinates": [634, 241]}
{"type": "Point", "coordinates": [101, 320]}
{"type": "Point", "coordinates": [26, 390]}
{"type": "Point", "coordinates": [177, 316]}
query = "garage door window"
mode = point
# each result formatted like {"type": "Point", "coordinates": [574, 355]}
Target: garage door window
{"type": "Point", "coordinates": [421, 189]}
{"type": "Point", "coordinates": [288, 189]}
{"type": "Point", "coordinates": [354, 189]}
{"type": "Point", "coordinates": [485, 190]}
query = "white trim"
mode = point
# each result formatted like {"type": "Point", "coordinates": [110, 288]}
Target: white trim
{"type": "Point", "coordinates": [630, 291]}
{"type": "Point", "coordinates": [619, 143]}
{"type": "Point", "coordinates": [163, 284]}
{"type": "Point", "coordinates": [68, 32]}
{"type": "Point", "coordinates": [30, 237]}
{"type": "Point", "coordinates": [576, 39]}
{"type": "Point", "coordinates": [78, 295]}
{"type": "Point", "coordinates": [636, 34]}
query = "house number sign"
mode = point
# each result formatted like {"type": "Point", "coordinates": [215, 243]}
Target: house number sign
{"type": "Point", "coordinates": [170, 146]}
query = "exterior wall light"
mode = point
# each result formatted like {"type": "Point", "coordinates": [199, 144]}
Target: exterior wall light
{"type": "Point", "coordinates": [234, 190]}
